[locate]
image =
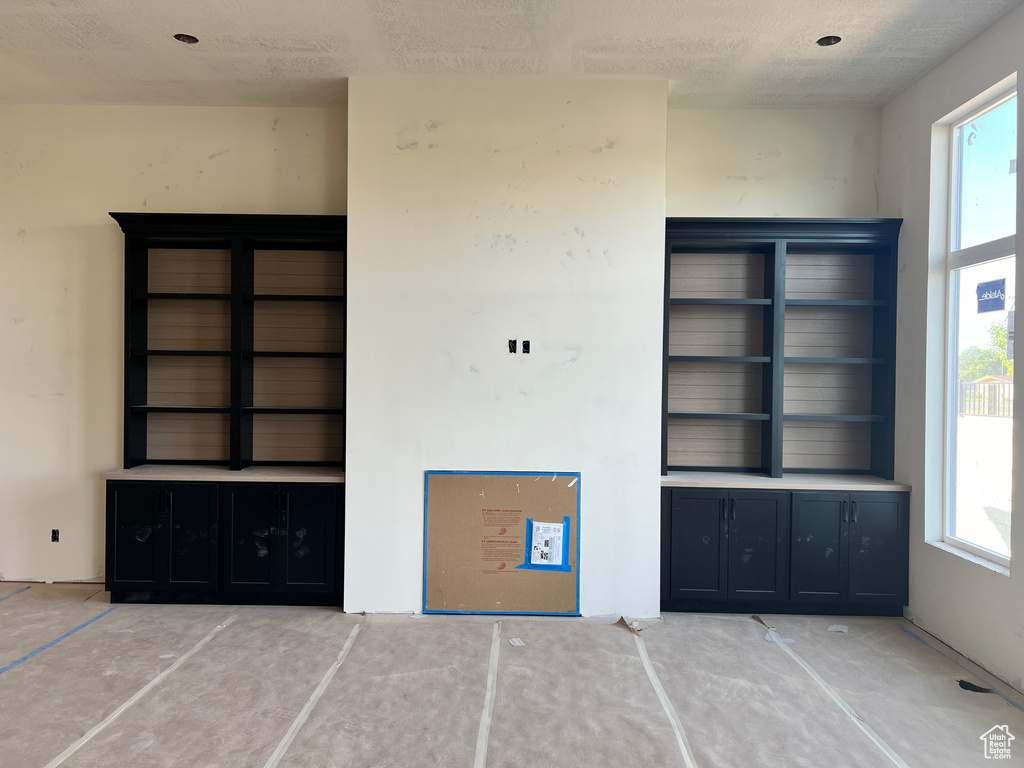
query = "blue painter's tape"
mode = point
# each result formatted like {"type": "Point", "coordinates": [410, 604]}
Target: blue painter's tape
{"type": "Point", "coordinates": [15, 592]}
{"type": "Point", "coordinates": [426, 527]}
{"type": "Point", "coordinates": [52, 643]}
{"type": "Point", "coordinates": [579, 484]}
{"type": "Point", "coordinates": [506, 472]}
{"type": "Point", "coordinates": [920, 639]}
{"type": "Point", "coordinates": [565, 567]}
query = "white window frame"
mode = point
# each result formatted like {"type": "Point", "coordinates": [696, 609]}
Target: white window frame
{"type": "Point", "coordinates": [956, 260]}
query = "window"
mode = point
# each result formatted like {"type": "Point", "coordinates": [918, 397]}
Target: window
{"type": "Point", "coordinates": [982, 269]}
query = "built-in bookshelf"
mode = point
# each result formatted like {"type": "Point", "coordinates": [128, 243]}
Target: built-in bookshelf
{"type": "Point", "coordinates": [234, 339]}
{"type": "Point", "coordinates": [779, 345]}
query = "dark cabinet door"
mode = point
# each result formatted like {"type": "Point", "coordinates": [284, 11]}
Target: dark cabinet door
{"type": "Point", "coordinates": [666, 544]}
{"type": "Point", "coordinates": [758, 546]}
{"type": "Point", "coordinates": [251, 523]}
{"type": "Point", "coordinates": [878, 548]}
{"type": "Point", "coordinates": [280, 537]}
{"type": "Point", "coordinates": [307, 540]}
{"type": "Point", "coordinates": [699, 553]}
{"type": "Point", "coordinates": [134, 511]}
{"type": "Point", "coordinates": [818, 569]}
{"type": "Point", "coordinates": [191, 536]}
{"type": "Point", "coordinates": [161, 536]}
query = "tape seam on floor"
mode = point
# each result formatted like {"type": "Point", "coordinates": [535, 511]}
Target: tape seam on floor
{"type": "Point", "coordinates": [142, 692]}
{"type": "Point", "coordinates": [52, 643]}
{"type": "Point", "coordinates": [15, 592]}
{"type": "Point", "coordinates": [834, 695]}
{"type": "Point", "coordinates": [666, 703]}
{"type": "Point", "coordinates": [314, 697]}
{"type": "Point", "coordinates": [492, 684]}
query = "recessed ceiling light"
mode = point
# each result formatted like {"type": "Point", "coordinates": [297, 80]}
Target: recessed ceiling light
{"type": "Point", "coordinates": [192, 39]}
{"type": "Point", "coordinates": [829, 40]}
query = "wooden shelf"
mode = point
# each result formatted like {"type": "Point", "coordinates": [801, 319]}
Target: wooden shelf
{"type": "Point", "coordinates": [723, 416]}
{"type": "Point", "coordinates": [325, 411]}
{"type": "Point", "coordinates": [182, 353]}
{"type": "Point", "coordinates": [720, 302]}
{"type": "Point", "coordinates": [835, 303]}
{"type": "Point", "coordinates": [334, 355]}
{"type": "Point", "coordinates": [169, 463]}
{"type": "Point", "coordinates": [739, 480]}
{"type": "Point", "coordinates": [189, 296]}
{"type": "Point", "coordinates": [838, 360]}
{"type": "Point", "coordinates": [206, 472]}
{"type": "Point", "coordinates": [832, 417]}
{"type": "Point", "coordinates": [178, 409]}
{"type": "Point", "coordinates": [296, 297]}
{"type": "Point", "coordinates": [719, 359]}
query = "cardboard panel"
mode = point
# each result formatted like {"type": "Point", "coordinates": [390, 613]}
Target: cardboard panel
{"type": "Point", "coordinates": [480, 533]}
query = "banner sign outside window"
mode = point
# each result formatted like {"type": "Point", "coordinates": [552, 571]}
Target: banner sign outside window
{"type": "Point", "coordinates": [992, 296]}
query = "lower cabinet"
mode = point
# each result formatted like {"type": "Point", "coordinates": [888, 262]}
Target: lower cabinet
{"type": "Point", "coordinates": [787, 552]}
{"type": "Point", "coordinates": [280, 538]}
{"type": "Point", "coordinates": [850, 547]}
{"type": "Point", "coordinates": [728, 545]}
{"type": "Point", "coordinates": [161, 536]}
{"type": "Point", "coordinates": [224, 542]}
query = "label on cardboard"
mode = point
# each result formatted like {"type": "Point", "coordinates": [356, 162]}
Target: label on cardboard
{"type": "Point", "coordinates": [547, 544]}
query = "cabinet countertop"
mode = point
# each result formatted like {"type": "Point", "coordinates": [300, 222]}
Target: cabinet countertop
{"type": "Point", "coordinates": [192, 473]}
{"type": "Point", "coordinates": [794, 482]}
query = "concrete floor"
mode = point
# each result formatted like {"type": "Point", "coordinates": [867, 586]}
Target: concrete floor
{"type": "Point", "coordinates": [414, 691]}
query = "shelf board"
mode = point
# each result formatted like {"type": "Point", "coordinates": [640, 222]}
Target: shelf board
{"type": "Point", "coordinates": [190, 296]}
{"type": "Point", "coordinates": [178, 409]}
{"type": "Point", "coordinates": [831, 417]}
{"type": "Point", "coordinates": [721, 302]}
{"type": "Point", "coordinates": [296, 297]}
{"type": "Point", "coordinates": [182, 353]}
{"type": "Point", "coordinates": [837, 360]}
{"type": "Point", "coordinates": [323, 411]}
{"type": "Point", "coordinates": [717, 359]}
{"type": "Point", "coordinates": [836, 303]}
{"type": "Point", "coordinates": [184, 462]}
{"type": "Point", "coordinates": [818, 471]}
{"type": "Point", "coordinates": [325, 464]}
{"type": "Point", "coordinates": [298, 354]}
{"type": "Point", "coordinates": [704, 468]}
{"type": "Point", "coordinates": [721, 415]}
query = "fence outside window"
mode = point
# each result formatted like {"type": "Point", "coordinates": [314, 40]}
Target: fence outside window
{"type": "Point", "coordinates": [986, 398]}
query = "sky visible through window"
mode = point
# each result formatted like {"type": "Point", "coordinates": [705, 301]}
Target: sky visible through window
{"type": "Point", "coordinates": [988, 211]}
{"type": "Point", "coordinates": [988, 181]}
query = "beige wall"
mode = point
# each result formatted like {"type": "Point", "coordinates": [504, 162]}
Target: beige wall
{"type": "Point", "coordinates": [773, 162]}
{"type": "Point", "coordinates": [977, 610]}
{"type": "Point", "coordinates": [61, 283]}
{"type": "Point", "coordinates": [63, 168]}
{"type": "Point", "coordinates": [488, 210]}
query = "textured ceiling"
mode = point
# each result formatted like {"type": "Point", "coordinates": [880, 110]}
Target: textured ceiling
{"type": "Point", "coordinates": [715, 53]}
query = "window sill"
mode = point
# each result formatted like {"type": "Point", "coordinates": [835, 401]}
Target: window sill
{"type": "Point", "coordinates": [970, 556]}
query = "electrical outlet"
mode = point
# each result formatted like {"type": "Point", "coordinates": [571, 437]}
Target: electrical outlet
{"type": "Point", "coordinates": [55, 534]}
{"type": "Point", "coordinates": [526, 346]}
{"type": "Point", "coordinates": [511, 346]}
